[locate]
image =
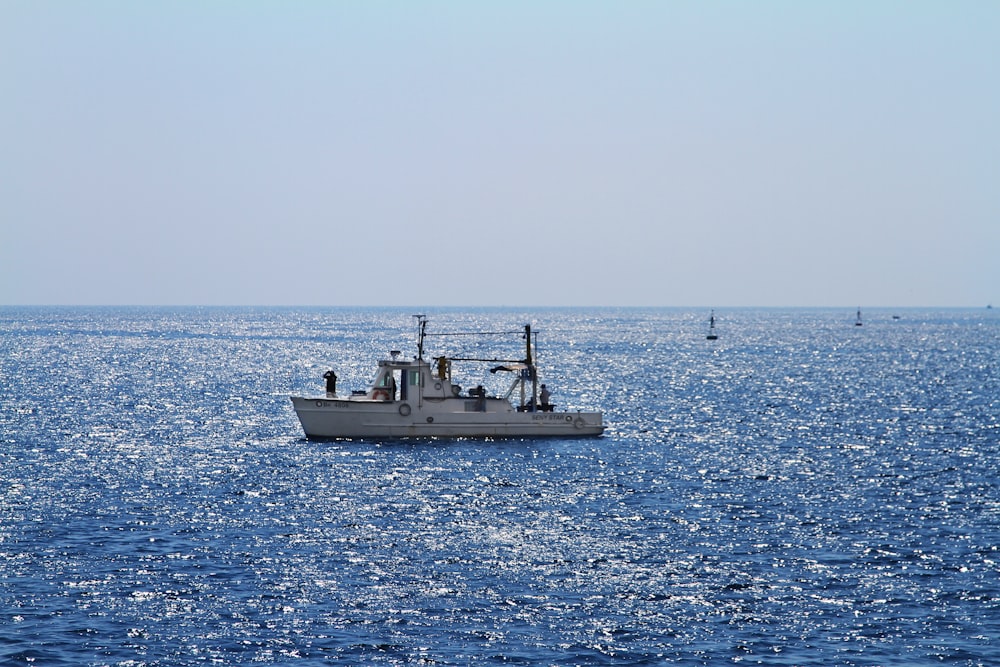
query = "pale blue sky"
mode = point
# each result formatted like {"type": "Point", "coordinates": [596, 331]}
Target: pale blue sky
{"type": "Point", "coordinates": [500, 153]}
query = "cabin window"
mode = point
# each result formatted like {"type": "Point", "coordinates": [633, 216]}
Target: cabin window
{"type": "Point", "coordinates": [388, 382]}
{"type": "Point", "coordinates": [415, 378]}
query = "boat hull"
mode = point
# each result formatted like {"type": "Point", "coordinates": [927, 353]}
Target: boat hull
{"type": "Point", "coordinates": [330, 418]}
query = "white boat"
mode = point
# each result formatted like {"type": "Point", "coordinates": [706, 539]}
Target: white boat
{"type": "Point", "coordinates": [419, 398]}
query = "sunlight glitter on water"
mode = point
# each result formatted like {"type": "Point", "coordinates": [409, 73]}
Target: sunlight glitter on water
{"type": "Point", "coordinates": [794, 494]}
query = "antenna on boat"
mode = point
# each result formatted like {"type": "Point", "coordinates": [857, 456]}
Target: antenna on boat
{"type": "Point", "coordinates": [421, 332]}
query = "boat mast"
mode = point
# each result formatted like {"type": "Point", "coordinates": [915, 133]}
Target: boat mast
{"type": "Point", "coordinates": [421, 333]}
{"type": "Point", "coordinates": [527, 340]}
{"type": "Point", "coordinates": [532, 373]}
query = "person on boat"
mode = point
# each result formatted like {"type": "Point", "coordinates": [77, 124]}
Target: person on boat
{"type": "Point", "coordinates": [545, 395]}
{"type": "Point", "coordinates": [331, 383]}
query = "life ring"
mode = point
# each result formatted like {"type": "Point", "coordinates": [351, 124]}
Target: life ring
{"type": "Point", "coordinates": [437, 386]}
{"type": "Point", "coordinates": [380, 395]}
{"type": "Point", "coordinates": [579, 423]}
{"type": "Point", "coordinates": [404, 409]}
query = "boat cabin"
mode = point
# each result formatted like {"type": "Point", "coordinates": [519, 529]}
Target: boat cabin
{"type": "Point", "coordinates": [416, 380]}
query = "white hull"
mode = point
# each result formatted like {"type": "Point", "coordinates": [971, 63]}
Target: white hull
{"type": "Point", "coordinates": [448, 417]}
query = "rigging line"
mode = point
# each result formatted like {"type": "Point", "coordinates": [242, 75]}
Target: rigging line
{"type": "Point", "coordinates": [477, 333]}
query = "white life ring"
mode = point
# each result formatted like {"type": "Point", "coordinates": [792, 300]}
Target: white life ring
{"type": "Point", "coordinates": [437, 386]}
{"type": "Point", "coordinates": [380, 395]}
{"type": "Point", "coordinates": [404, 409]}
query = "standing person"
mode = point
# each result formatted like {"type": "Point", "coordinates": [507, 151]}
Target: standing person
{"type": "Point", "coordinates": [545, 395]}
{"type": "Point", "coordinates": [331, 383]}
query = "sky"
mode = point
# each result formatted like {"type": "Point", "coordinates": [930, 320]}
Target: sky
{"type": "Point", "coordinates": [518, 153]}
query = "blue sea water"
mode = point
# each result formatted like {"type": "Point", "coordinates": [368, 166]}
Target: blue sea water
{"type": "Point", "coordinates": [801, 491]}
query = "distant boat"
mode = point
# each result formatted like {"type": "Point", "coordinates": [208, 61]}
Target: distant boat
{"type": "Point", "coordinates": [857, 322]}
{"type": "Point", "coordinates": [711, 328]}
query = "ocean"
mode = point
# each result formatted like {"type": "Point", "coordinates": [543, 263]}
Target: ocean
{"type": "Point", "coordinates": [801, 491]}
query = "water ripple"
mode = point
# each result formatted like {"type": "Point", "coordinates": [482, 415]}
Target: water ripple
{"type": "Point", "coordinates": [798, 492]}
